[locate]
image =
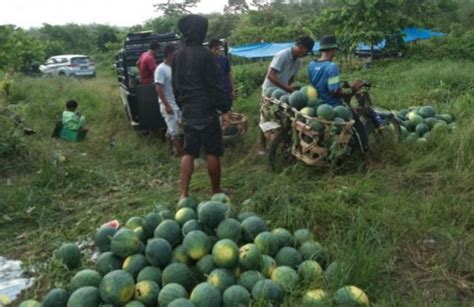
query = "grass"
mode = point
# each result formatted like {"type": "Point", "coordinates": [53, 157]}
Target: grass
{"type": "Point", "coordinates": [403, 233]}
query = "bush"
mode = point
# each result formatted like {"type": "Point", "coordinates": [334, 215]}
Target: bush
{"type": "Point", "coordinates": [249, 77]}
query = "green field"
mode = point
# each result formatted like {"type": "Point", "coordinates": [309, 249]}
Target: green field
{"type": "Point", "coordinates": [404, 231]}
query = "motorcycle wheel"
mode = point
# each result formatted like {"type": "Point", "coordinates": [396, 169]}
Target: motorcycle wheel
{"type": "Point", "coordinates": [279, 155]}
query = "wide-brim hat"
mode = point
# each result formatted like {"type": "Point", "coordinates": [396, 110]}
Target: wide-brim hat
{"type": "Point", "coordinates": [328, 42]}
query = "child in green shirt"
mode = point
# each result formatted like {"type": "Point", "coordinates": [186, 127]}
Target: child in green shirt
{"type": "Point", "coordinates": [71, 119]}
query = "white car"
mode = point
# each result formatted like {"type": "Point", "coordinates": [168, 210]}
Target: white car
{"type": "Point", "coordinates": [71, 65]}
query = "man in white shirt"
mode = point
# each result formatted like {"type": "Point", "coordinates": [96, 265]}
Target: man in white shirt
{"type": "Point", "coordinates": [168, 107]}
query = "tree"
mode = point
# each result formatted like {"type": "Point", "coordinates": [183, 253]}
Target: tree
{"type": "Point", "coordinates": [175, 8]}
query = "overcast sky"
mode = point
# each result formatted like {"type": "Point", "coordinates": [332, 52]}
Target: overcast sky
{"type": "Point", "coordinates": [33, 13]}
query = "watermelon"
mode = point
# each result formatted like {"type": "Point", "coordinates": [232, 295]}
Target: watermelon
{"type": "Point", "coordinates": [150, 222]}
{"type": "Point", "coordinates": [288, 256]}
{"type": "Point", "coordinates": [402, 114]}
{"type": "Point", "coordinates": [267, 290]}
{"type": "Point", "coordinates": [452, 126]}
{"type": "Point", "coordinates": [298, 100]}
{"type": "Point", "coordinates": [84, 297]}
{"type": "Point", "coordinates": [278, 93]}
{"type": "Point", "coordinates": [440, 127]}
{"type": "Point", "coordinates": [56, 298]}
{"type": "Point", "coordinates": [158, 252]}
{"type": "Point", "coordinates": [134, 304]}
{"type": "Point", "coordinates": [250, 257]}
{"type": "Point", "coordinates": [421, 129]}
{"type": "Point", "coordinates": [134, 264]}
{"type": "Point", "coordinates": [212, 213]}
{"type": "Point", "coordinates": [310, 271]}
{"type": "Point", "coordinates": [325, 112]}
{"type": "Point", "coordinates": [171, 292]}
{"type": "Point", "coordinates": [245, 214]}
{"type": "Point", "coordinates": [117, 287]}
{"type": "Point", "coordinates": [187, 202]}
{"type": "Point", "coordinates": [125, 242]}
{"type": "Point", "coordinates": [251, 227]}
{"type": "Point", "coordinates": [183, 215]}
{"type": "Point", "coordinates": [179, 255]}
{"type": "Point", "coordinates": [267, 243]}
{"type": "Point", "coordinates": [31, 303]}
{"type": "Point", "coordinates": [190, 226]}
{"type": "Point", "coordinates": [403, 132]}
{"type": "Point", "coordinates": [236, 296]}
{"type": "Point", "coordinates": [150, 273]}
{"type": "Point", "coordinates": [147, 291]}
{"type": "Point", "coordinates": [311, 250]}
{"type": "Point", "coordinates": [421, 141]}
{"type": "Point", "coordinates": [225, 253]}
{"type": "Point", "coordinates": [310, 91]}
{"type": "Point", "coordinates": [411, 138]}
{"type": "Point", "coordinates": [197, 244]}
{"type": "Point", "coordinates": [108, 262]}
{"type": "Point", "coordinates": [427, 111]}
{"type": "Point", "coordinates": [248, 279]}
{"type": "Point", "coordinates": [141, 234]}
{"type": "Point", "coordinates": [285, 277]}
{"type": "Point", "coordinates": [221, 279]}
{"type": "Point", "coordinates": [206, 295]}
{"type": "Point", "coordinates": [170, 231]}
{"type": "Point", "coordinates": [285, 238]}
{"type": "Point", "coordinates": [285, 98]}
{"type": "Point", "coordinates": [308, 111]}
{"type": "Point", "coordinates": [178, 273]}
{"type": "Point", "coordinates": [85, 278]}
{"type": "Point", "coordinates": [316, 298]}
{"type": "Point", "coordinates": [337, 128]}
{"type": "Point", "coordinates": [103, 237]}
{"type": "Point", "coordinates": [134, 222]}
{"type": "Point", "coordinates": [205, 265]}
{"type": "Point", "coordinates": [414, 119]}
{"type": "Point", "coordinates": [302, 235]}
{"type": "Point", "coordinates": [229, 229]}
{"type": "Point", "coordinates": [430, 121]}
{"type": "Point", "coordinates": [166, 214]}
{"type": "Point", "coordinates": [269, 91]}
{"type": "Point", "coordinates": [70, 255]}
{"type": "Point", "coordinates": [343, 112]}
{"type": "Point", "coordinates": [445, 117]}
{"type": "Point", "coordinates": [268, 265]}
{"type": "Point", "coordinates": [181, 302]}
{"type": "Point", "coordinates": [350, 296]}
{"type": "Point", "coordinates": [313, 103]}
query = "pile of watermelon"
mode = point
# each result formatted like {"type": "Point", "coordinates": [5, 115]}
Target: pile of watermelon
{"type": "Point", "coordinates": [203, 255]}
{"type": "Point", "coordinates": [419, 123]}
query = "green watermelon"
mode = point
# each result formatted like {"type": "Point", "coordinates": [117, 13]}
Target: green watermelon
{"type": "Point", "coordinates": [267, 290]}
{"type": "Point", "coordinates": [187, 202]}
{"type": "Point", "coordinates": [267, 243]}
{"type": "Point", "coordinates": [343, 112]}
{"type": "Point", "coordinates": [178, 273]}
{"type": "Point", "coordinates": [285, 238]}
{"type": "Point", "coordinates": [229, 229]}
{"type": "Point", "coordinates": [285, 277]}
{"type": "Point", "coordinates": [317, 297]}
{"type": "Point", "coordinates": [117, 287]}
{"type": "Point", "coordinates": [206, 295]}
{"type": "Point", "coordinates": [411, 138]}
{"type": "Point", "coordinates": [250, 257]}
{"type": "Point", "coordinates": [402, 114]}
{"type": "Point", "coordinates": [298, 100]}
{"type": "Point", "coordinates": [248, 279]}
{"type": "Point", "coordinates": [302, 235]}
{"type": "Point", "coordinates": [103, 237]}
{"type": "Point", "coordinates": [452, 127]}
{"type": "Point", "coordinates": [421, 141]}
{"type": "Point", "coordinates": [190, 226]}
{"type": "Point", "coordinates": [310, 91]}
{"type": "Point", "coordinates": [30, 303]}
{"type": "Point", "coordinates": [166, 214]}
{"type": "Point", "coordinates": [245, 214]}
{"type": "Point", "coordinates": [179, 255]}
{"type": "Point", "coordinates": [171, 292]}
{"type": "Point", "coordinates": [278, 93]}
{"type": "Point", "coordinates": [445, 117]}
{"type": "Point", "coordinates": [430, 121]}
{"type": "Point", "coordinates": [221, 279]}
{"type": "Point", "coordinates": [108, 262]}
{"type": "Point", "coordinates": [351, 296]}
{"type": "Point", "coordinates": [285, 98]}
{"type": "Point", "coordinates": [325, 112]}
{"type": "Point", "coordinates": [85, 278]}
{"type": "Point", "coordinates": [133, 304]}
{"type": "Point", "coordinates": [150, 222]}
{"type": "Point", "coordinates": [236, 296]}
{"type": "Point", "coordinates": [225, 253]}
{"type": "Point", "coordinates": [268, 265]}
{"type": "Point", "coordinates": [310, 271]}
{"type": "Point", "coordinates": [141, 234]}
{"type": "Point", "coordinates": [421, 129]}
{"type": "Point", "coordinates": [288, 256]}
{"type": "Point", "coordinates": [170, 231]}
{"type": "Point", "coordinates": [56, 298]}
{"type": "Point", "coordinates": [269, 91]}
{"type": "Point", "coordinates": [125, 242]}
{"type": "Point", "coordinates": [308, 111]}
{"type": "Point", "coordinates": [205, 265]}
{"type": "Point", "coordinates": [183, 215]}
{"type": "Point", "coordinates": [212, 213]}
{"type": "Point", "coordinates": [150, 273]}
{"type": "Point", "coordinates": [427, 111]}
{"type": "Point", "coordinates": [311, 250]}
{"type": "Point", "coordinates": [158, 252]}
{"type": "Point", "coordinates": [313, 102]}
{"type": "Point", "coordinates": [70, 255]}
{"type": "Point", "coordinates": [414, 119]}
{"type": "Point", "coordinates": [403, 132]}
{"type": "Point", "coordinates": [440, 127]}
{"type": "Point", "coordinates": [134, 222]}
{"type": "Point", "coordinates": [84, 297]}
{"type": "Point", "coordinates": [251, 227]}
{"type": "Point", "coordinates": [134, 264]}
{"type": "Point", "coordinates": [197, 244]}
{"type": "Point", "coordinates": [181, 302]}
{"type": "Point", "coordinates": [147, 291]}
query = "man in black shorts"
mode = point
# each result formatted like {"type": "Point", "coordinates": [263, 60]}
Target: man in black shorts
{"type": "Point", "coordinates": [198, 90]}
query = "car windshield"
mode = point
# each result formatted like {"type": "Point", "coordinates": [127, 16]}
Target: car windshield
{"type": "Point", "coordinates": [82, 60]}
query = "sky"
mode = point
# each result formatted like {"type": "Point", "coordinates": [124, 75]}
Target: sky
{"type": "Point", "coordinates": [33, 13]}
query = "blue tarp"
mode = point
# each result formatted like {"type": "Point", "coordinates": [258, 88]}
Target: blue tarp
{"type": "Point", "coordinates": [268, 50]}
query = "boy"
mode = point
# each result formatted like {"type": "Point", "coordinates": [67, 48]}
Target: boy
{"type": "Point", "coordinates": [71, 119]}
{"type": "Point", "coordinates": [225, 71]}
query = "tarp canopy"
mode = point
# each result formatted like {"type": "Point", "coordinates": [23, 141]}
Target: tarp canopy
{"type": "Point", "coordinates": [268, 50]}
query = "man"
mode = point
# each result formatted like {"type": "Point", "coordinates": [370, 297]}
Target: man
{"type": "Point", "coordinates": [282, 70]}
{"type": "Point", "coordinates": [168, 107]}
{"type": "Point", "coordinates": [324, 76]}
{"type": "Point", "coordinates": [225, 71]}
{"type": "Point", "coordinates": [198, 90]}
{"type": "Point", "coordinates": [146, 64]}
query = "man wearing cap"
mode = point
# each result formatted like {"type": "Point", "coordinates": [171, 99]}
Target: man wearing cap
{"type": "Point", "coordinates": [198, 90]}
{"type": "Point", "coordinates": [323, 74]}
{"type": "Point", "coordinates": [282, 70]}
{"type": "Point", "coordinates": [147, 64]}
